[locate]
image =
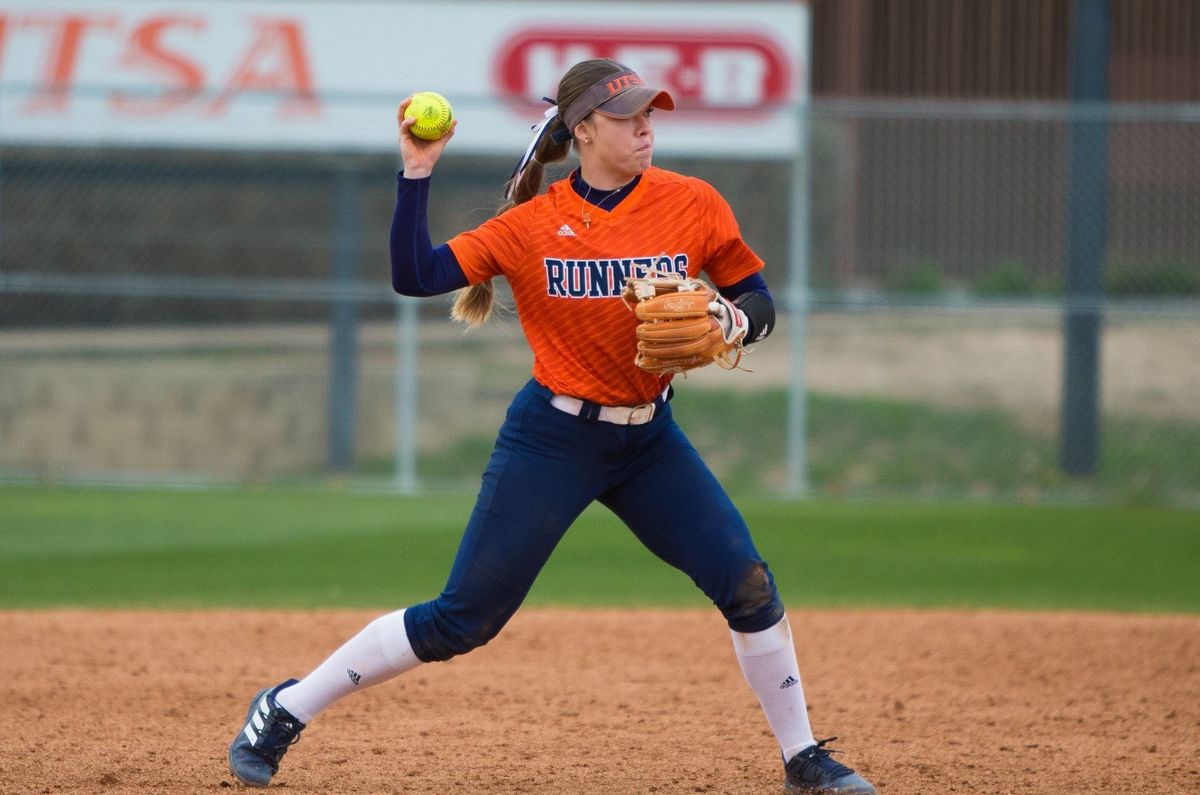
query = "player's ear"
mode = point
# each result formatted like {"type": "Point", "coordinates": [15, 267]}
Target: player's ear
{"type": "Point", "coordinates": [584, 132]}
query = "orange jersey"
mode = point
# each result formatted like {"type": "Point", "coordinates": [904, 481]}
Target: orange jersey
{"type": "Point", "coordinates": [567, 276]}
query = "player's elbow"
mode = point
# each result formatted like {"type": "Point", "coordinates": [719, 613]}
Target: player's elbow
{"type": "Point", "coordinates": [404, 287]}
{"type": "Point", "coordinates": [405, 282]}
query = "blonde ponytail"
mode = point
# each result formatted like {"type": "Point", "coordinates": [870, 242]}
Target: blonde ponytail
{"type": "Point", "coordinates": [473, 305]}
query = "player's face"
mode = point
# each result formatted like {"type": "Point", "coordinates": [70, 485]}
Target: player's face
{"type": "Point", "coordinates": [620, 150]}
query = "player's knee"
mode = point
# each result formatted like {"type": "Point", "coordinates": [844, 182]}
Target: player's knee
{"type": "Point", "coordinates": [755, 604]}
{"type": "Point", "coordinates": [478, 634]}
{"type": "Point", "coordinates": [440, 632]}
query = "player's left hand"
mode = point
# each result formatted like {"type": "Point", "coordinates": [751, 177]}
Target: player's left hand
{"type": "Point", "coordinates": [684, 324]}
{"type": "Point", "coordinates": [732, 320]}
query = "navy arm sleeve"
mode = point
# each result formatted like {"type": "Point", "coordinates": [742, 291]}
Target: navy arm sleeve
{"type": "Point", "coordinates": [752, 297]}
{"type": "Point", "coordinates": [419, 269]}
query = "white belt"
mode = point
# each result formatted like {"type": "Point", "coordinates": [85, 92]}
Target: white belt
{"type": "Point", "coordinates": [618, 415]}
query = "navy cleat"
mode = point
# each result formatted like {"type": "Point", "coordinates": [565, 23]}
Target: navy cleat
{"type": "Point", "coordinates": [270, 729]}
{"type": "Point", "coordinates": [815, 772]}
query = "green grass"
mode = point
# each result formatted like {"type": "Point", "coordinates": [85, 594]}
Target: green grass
{"type": "Point", "coordinates": [880, 448]}
{"type": "Point", "coordinates": [329, 547]}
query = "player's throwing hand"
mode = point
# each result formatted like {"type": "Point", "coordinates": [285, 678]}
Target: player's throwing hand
{"type": "Point", "coordinates": [418, 154]}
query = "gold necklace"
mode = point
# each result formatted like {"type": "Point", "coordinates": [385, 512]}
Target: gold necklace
{"type": "Point", "coordinates": [584, 213]}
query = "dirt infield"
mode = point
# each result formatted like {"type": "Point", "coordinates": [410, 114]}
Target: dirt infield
{"type": "Point", "coordinates": [605, 701]}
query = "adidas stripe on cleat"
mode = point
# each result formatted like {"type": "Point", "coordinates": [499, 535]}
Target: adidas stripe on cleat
{"type": "Point", "coordinates": [268, 732]}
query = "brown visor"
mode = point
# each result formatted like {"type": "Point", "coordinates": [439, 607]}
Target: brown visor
{"type": "Point", "coordinates": [621, 96]}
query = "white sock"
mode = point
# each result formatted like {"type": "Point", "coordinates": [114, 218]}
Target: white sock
{"type": "Point", "coordinates": [768, 662]}
{"type": "Point", "coordinates": [378, 653]}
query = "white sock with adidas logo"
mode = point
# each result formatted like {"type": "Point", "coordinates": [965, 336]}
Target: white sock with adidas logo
{"type": "Point", "coordinates": [768, 662]}
{"type": "Point", "coordinates": [379, 652]}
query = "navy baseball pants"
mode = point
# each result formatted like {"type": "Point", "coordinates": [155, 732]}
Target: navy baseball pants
{"type": "Point", "coordinates": [547, 467]}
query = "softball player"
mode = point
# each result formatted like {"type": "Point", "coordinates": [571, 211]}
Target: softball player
{"type": "Point", "coordinates": [589, 425]}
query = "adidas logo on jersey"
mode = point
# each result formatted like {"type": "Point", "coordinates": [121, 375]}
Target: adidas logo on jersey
{"type": "Point", "coordinates": [566, 231]}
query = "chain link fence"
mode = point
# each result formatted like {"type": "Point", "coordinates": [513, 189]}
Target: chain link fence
{"type": "Point", "coordinates": [209, 317]}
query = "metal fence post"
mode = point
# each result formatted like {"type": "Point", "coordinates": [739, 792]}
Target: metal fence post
{"type": "Point", "coordinates": [797, 307]}
{"type": "Point", "coordinates": [800, 248]}
{"type": "Point", "coordinates": [343, 343]}
{"type": "Point", "coordinates": [406, 412]}
{"type": "Point", "coordinates": [1087, 230]}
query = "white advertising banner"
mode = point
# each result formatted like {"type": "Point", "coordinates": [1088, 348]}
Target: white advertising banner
{"type": "Point", "coordinates": [328, 75]}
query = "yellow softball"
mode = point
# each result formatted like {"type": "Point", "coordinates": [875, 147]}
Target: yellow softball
{"type": "Point", "coordinates": [433, 115]}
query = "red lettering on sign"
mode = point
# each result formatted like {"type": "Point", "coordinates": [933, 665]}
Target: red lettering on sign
{"type": "Point", "coordinates": [744, 74]}
{"type": "Point", "coordinates": [3, 37]}
{"type": "Point", "coordinates": [66, 36]}
{"type": "Point", "coordinates": [147, 50]}
{"type": "Point", "coordinates": [276, 61]}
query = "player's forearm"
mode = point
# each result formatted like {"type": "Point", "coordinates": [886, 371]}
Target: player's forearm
{"type": "Point", "coordinates": [419, 269]}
